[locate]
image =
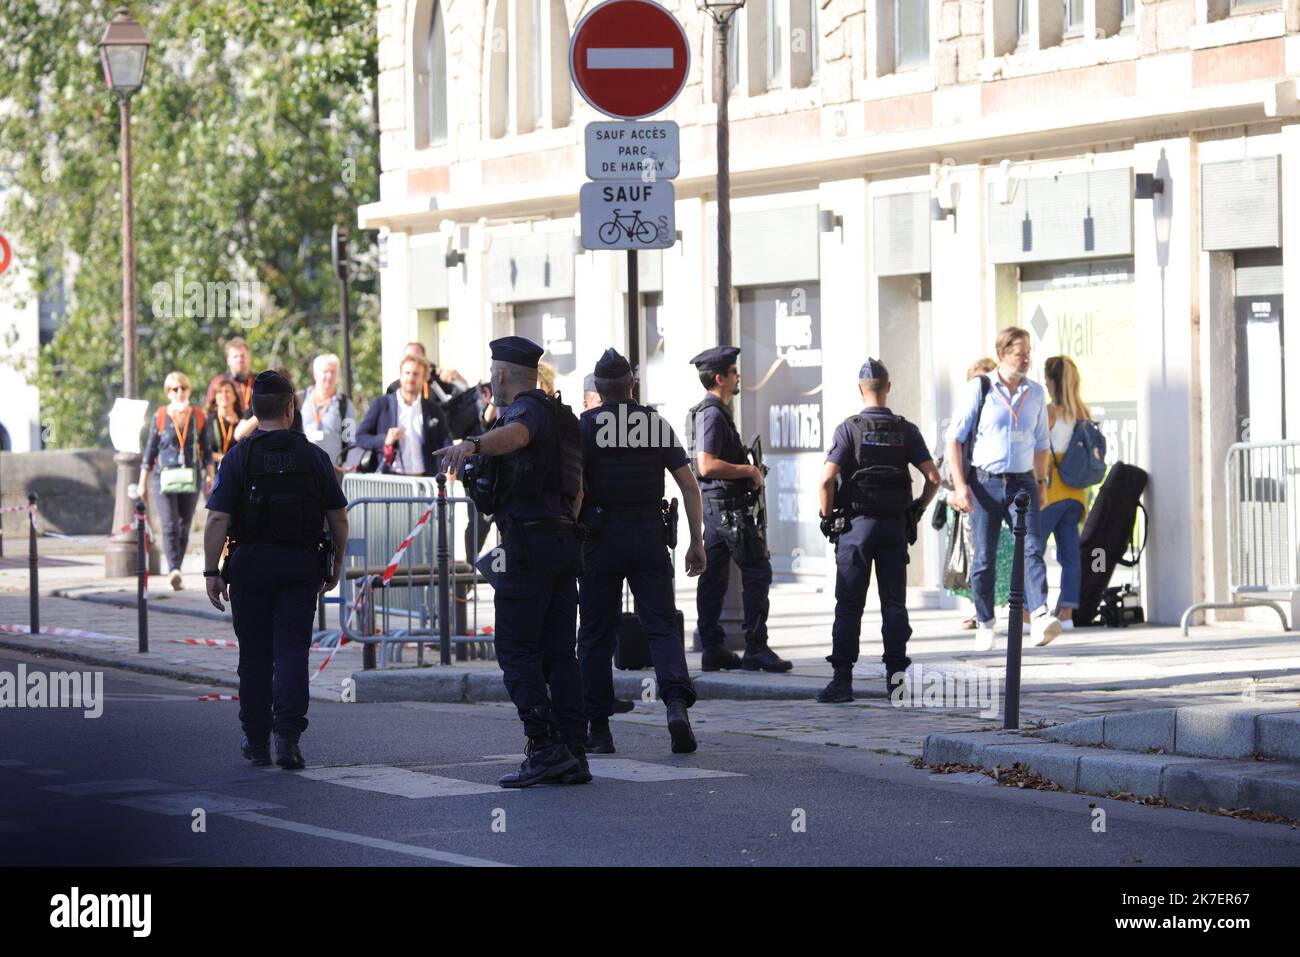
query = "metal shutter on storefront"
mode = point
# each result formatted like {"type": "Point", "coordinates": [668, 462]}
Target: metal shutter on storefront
{"type": "Point", "coordinates": [1240, 204]}
{"type": "Point", "coordinates": [1075, 216]}
{"type": "Point", "coordinates": [1258, 272]}
{"type": "Point", "coordinates": [769, 246]}
{"type": "Point", "coordinates": [534, 266]}
{"type": "Point", "coordinates": [901, 234]}
{"type": "Point", "coordinates": [649, 271]}
{"type": "Point", "coordinates": [428, 277]}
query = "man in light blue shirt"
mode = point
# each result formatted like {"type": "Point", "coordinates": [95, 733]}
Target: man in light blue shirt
{"type": "Point", "coordinates": [1008, 454]}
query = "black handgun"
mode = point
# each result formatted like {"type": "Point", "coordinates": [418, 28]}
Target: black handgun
{"type": "Point", "coordinates": [670, 522]}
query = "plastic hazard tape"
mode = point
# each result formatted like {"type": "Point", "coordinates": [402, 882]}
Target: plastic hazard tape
{"type": "Point", "coordinates": [218, 697]}
{"type": "Point", "coordinates": [396, 560]}
{"type": "Point", "coordinates": [220, 643]}
{"type": "Point", "coordinates": [59, 632]}
{"type": "Point", "coordinates": [18, 508]}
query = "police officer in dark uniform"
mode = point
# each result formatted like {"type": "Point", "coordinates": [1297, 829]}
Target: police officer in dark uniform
{"type": "Point", "coordinates": [726, 478]}
{"type": "Point", "coordinates": [872, 519]}
{"type": "Point", "coordinates": [626, 447]}
{"type": "Point", "coordinates": [535, 453]}
{"type": "Point", "coordinates": [274, 494]}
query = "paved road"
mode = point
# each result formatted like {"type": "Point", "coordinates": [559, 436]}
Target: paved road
{"type": "Point", "coordinates": [409, 784]}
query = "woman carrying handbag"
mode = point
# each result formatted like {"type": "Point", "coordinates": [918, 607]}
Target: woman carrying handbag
{"type": "Point", "coordinates": [175, 455]}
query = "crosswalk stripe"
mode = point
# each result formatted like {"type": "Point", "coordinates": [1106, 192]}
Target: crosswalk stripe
{"type": "Point", "coordinates": [626, 769]}
{"type": "Point", "coordinates": [184, 803]}
{"type": "Point", "coordinates": [398, 781]}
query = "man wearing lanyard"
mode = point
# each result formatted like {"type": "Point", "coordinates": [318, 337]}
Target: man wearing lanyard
{"type": "Point", "coordinates": [1009, 456]}
{"type": "Point", "coordinates": [326, 412]}
{"type": "Point", "coordinates": [239, 370]}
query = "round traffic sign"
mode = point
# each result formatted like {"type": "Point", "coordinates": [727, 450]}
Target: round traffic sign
{"type": "Point", "coordinates": [6, 254]}
{"type": "Point", "coordinates": [629, 58]}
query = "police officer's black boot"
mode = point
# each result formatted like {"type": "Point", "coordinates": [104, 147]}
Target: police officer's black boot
{"type": "Point", "coordinates": [679, 726]}
{"type": "Point", "coordinates": [719, 658]}
{"type": "Point", "coordinates": [599, 738]}
{"type": "Point", "coordinates": [258, 751]}
{"type": "Point", "coordinates": [758, 656]}
{"type": "Point", "coordinates": [582, 773]}
{"type": "Point", "coordinates": [840, 690]}
{"type": "Point", "coordinates": [287, 754]}
{"type": "Point", "coordinates": [546, 758]}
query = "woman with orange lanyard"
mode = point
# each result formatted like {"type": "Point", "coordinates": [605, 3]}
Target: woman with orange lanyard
{"type": "Point", "coordinates": [223, 415]}
{"type": "Point", "coordinates": [1064, 505]}
{"type": "Point", "coordinates": [175, 454]}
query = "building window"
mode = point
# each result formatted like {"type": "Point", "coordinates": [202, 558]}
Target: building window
{"type": "Point", "coordinates": [778, 39]}
{"type": "Point", "coordinates": [539, 62]}
{"type": "Point", "coordinates": [528, 68]}
{"type": "Point", "coordinates": [911, 33]}
{"type": "Point", "coordinates": [1249, 6]}
{"type": "Point", "coordinates": [1126, 11]}
{"type": "Point", "coordinates": [436, 70]}
{"type": "Point", "coordinates": [1074, 16]}
{"type": "Point", "coordinates": [814, 41]}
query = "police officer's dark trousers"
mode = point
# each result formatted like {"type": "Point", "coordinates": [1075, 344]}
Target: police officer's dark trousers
{"type": "Point", "coordinates": [628, 545]}
{"type": "Point", "coordinates": [536, 625]}
{"type": "Point", "coordinates": [273, 603]}
{"type": "Point", "coordinates": [881, 542]}
{"type": "Point", "coordinates": [755, 577]}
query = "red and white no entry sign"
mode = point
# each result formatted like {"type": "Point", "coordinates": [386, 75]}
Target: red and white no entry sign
{"type": "Point", "coordinates": [629, 58]}
{"type": "Point", "coordinates": [6, 254]}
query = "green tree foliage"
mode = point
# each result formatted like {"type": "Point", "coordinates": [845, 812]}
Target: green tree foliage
{"type": "Point", "coordinates": [254, 132]}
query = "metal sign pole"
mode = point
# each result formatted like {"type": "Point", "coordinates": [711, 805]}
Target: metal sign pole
{"type": "Point", "coordinates": [633, 325]}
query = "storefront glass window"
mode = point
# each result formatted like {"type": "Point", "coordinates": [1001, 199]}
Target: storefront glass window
{"type": "Point", "coordinates": [781, 401]}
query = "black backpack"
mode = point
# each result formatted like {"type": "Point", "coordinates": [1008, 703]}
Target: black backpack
{"type": "Point", "coordinates": [461, 413]}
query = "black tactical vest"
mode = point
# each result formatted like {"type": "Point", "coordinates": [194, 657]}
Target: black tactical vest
{"type": "Point", "coordinates": [733, 450]}
{"type": "Point", "coordinates": [622, 464]}
{"type": "Point", "coordinates": [282, 500]}
{"type": "Point", "coordinates": [881, 487]}
{"type": "Point", "coordinates": [554, 466]}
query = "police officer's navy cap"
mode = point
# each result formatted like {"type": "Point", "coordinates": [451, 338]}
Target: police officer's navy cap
{"type": "Point", "coordinates": [873, 369]}
{"type": "Point", "coordinates": [271, 383]}
{"type": "Point", "coordinates": [719, 357]}
{"type": "Point", "coordinates": [589, 382]}
{"type": "Point", "coordinates": [611, 365]}
{"type": "Point", "coordinates": [516, 350]}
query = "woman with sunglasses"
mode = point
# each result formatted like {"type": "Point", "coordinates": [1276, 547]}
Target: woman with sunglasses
{"type": "Point", "coordinates": [175, 455]}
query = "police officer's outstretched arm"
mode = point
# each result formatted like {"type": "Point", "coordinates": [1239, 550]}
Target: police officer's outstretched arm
{"type": "Point", "coordinates": [690, 489]}
{"type": "Point", "coordinates": [502, 441]}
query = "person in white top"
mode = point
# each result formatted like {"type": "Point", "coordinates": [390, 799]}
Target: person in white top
{"type": "Point", "coordinates": [1063, 505]}
{"type": "Point", "coordinates": [325, 411]}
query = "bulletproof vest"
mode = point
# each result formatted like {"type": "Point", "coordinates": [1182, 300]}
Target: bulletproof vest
{"type": "Point", "coordinates": [623, 460]}
{"type": "Point", "coordinates": [881, 487]}
{"type": "Point", "coordinates": [553, 466]}
{"type": "Point", "coordinates": [282, 501]}
{"type": "Point", "coordinates": [733, 450]}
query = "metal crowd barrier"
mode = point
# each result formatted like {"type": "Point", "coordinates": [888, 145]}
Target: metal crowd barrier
{"type": "Point", "coordinates": [1263, 495]}
{"type": "Point", "coordinates": [405, 608]}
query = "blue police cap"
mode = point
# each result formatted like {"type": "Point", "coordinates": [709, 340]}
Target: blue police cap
{"type": "Point", "coordinates": [516, 350]}
{"type": "Point", "coordinates": [873, 369]}
{"type": "Point", "coordinates": [718, 358]}
{"type": "Point", "coordinates": [611, 365]}
{"type": "Point", "coordinates": [271, 383]}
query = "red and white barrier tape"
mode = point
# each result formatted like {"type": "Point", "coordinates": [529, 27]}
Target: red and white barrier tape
{"type": "Point", "coordinates": [58, 632]}
{"type": "Point", "coordinates": [218, 697]}
{"type": "Point", "coordinates": [18, 508]}
{"type": "Point", "coordinates": [393, 562]}
{"type": "Point", "coordinates": [206, 642]}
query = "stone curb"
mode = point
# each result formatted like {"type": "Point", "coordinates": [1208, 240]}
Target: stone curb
{"type": "Point", "coordinates": [1205, 783]}
{"type": "Point", "coordinates": [154, 606]}
{"type": "Point", "coordinates": [143, 667]}
{"type": "Point", "coordinates": [1204, 731]}
{"type": "Point", "coordinates": [458, 686]}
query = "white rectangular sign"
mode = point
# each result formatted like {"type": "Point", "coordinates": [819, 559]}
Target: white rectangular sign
{"type": "Point", "coordinates": [638, 150]}
{"type": "Point", "coordinates": [627, 214]}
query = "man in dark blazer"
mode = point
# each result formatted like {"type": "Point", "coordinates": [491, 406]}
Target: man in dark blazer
{"type": "Point", "coordinates": [404, 428]}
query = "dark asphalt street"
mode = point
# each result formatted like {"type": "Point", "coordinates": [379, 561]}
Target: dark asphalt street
{"type": "Point", "coordinates": [407, 784]}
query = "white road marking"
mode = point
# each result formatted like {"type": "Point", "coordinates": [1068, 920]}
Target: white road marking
{"type": "Point", "coordinates": [361, 839]}
{"type": "Point", "coordinates": [104, 788]}
{"type": "Point", "coordinates": [183, 803]}
{"type": "Point", "coordinates": [629, 58]}
{"type": "Point", "coordinates": [625, 769]}
{"type": "Point", "coordinates": [398, 781]}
